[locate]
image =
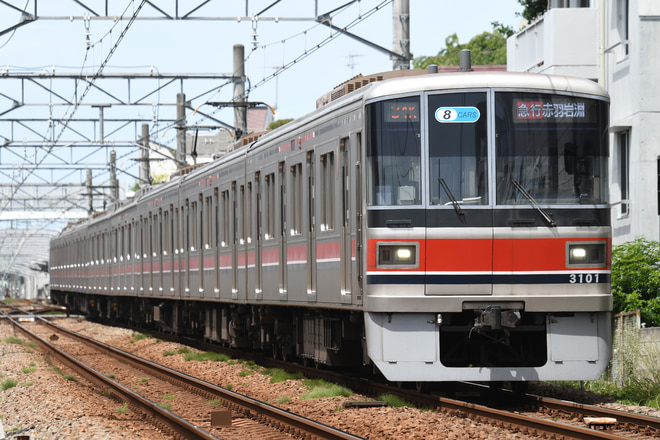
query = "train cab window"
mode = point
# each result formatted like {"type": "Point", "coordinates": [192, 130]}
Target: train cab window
{"type": "Point", "coordinates": [394, 152]}
{"type": "Point", "coordinates": [551, 147]}
{"type": "Point", "coordinates": [458, 145]}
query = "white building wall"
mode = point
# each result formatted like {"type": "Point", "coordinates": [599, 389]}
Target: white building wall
{"type": "Point", "coordinates": [566, 41]}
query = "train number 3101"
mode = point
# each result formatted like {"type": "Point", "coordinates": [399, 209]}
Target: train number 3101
{"type": "Point", "coordinates": [583, 278]}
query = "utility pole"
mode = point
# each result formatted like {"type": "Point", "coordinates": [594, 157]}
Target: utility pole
{"type": "Point", "coordinates": [181, 128]}
{"type": "Point", "coordinates": [144, 153]}
{"type": "Point", "coordinates": [114, 183]}
{"type": "Point", "coordinates": [401, 34]}
{"type": "Point", "coordinates": [240, 109]}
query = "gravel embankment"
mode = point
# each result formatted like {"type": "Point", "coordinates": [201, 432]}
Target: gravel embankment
{"type": "Point", "coordinates": [46, 405]}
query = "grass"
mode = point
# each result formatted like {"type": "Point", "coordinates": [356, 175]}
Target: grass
{"type": "Point", "coordinates": [8, 383]}
{"type": "Point", "coordinates": [143, 380]}
{"type": "Point", "coordinates": [168, 396]}
{"type": "Point", "coordinates": [319, 389]}
{"type": "Point", "coordinates": [278, 375]}
{"type": "Point", "coordinates": [138, 337]}
{"type": "Point", "coordinates": [214, 402]}
{"type": "Point", "coordinates": [206, 356]}
{"type": "Point", "coordinates": [167, 406]}
{"type": "Point", "coordinates": [283, 399]}
{"type": "Point", "coordinates": [394, 401]}
{"type": "Point", "coordinates": [28, 370]}
{"type": "Point", "coordinates": [638, 392]}
{"type": "Point", "coordinates": [122, 409]}
{"type": "Point", "coordinates": [14, 340]}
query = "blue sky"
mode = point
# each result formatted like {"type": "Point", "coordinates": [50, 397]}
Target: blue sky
{"type": "Point", "coordinates": [206, 46]}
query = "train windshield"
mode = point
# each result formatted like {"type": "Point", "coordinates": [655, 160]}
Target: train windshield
{"type": "Point", "coordinates": [552, 147]}
{"type": "Point", "coordinates": [458, 148]}
{"type": "Point", "coordinates": [394, 153]}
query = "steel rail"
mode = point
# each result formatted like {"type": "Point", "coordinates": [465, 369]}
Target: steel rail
{"type": "Point", "coordinates": [171, 421]}
{"type": "Point", "coordinates": [232, 400]}
{"type": "Point", "coordinates": [640, 420]}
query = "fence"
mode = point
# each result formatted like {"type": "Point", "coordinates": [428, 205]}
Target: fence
{"type": "Point", "coordinates": [635, 349]}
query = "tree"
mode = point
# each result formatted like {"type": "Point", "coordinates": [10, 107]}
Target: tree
{"type": "Point", "coordinates": [486, 48]}
{"type": "Point", "coordinates": [280, 122]}
{"type": "Point", "coordinates": [533, 8]}
{"type": "Point", "coordinates": [636, 279]}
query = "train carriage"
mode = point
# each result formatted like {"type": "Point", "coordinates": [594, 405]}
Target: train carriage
{"type": "Point", "coordinates": [440, 227]}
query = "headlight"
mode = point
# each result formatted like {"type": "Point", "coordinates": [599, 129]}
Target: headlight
{"type": "Point", "coordinates": [393, 255]}
{"type": "Point", "coordinates": [586, 254]}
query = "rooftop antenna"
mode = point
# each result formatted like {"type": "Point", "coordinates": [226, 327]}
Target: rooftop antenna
{"type": "Point", "coordinates": [351, 63]}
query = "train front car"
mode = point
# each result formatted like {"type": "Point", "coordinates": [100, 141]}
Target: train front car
{"type": "Point", "coordinates": [488, 228]}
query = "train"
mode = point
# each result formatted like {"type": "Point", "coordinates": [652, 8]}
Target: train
{"type": "Point", "coordinates": [432, 226]}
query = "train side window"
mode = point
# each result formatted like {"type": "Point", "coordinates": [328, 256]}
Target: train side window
{"type": "Point", "coordinates": [240, 214]}
{"type": "Point", "coordinates": [269, 232]}
{"type": "Point", "coordinates": [194, 218]}
{"type": "Point", "coordinates": [208, 222]}
{"type": "Point", "coordinates": [224, 242]}
{"type": "Point", "coordinates": [327, 191]}
{"type": "Point", "coordinates": [296, 199]}
{"type": "Point", "coordinates": [166, 232]}
{"type": "Point", "coordinates": [248, 214]}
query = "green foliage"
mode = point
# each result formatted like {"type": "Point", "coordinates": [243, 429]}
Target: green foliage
{"type": "Point", "coordinates": [122, 409]}
{"type": "Point", "coordinates": [14, 340]}
{"type": "Point", "coordinates": [278, 375]}
{"type": "Point", "coordinates": [280, 122]}
{"type": "Point", "coordinates": [486, 48]}
{"type": "Point", "coordinates": [533, 8]}
{"type": "Point", "coordinates": [394, 401]}
{"type": "Point", "coordinates": [319, 388]}
{"type": "Point", "coordinates": [8, 383]}
{"type": "Point", "coordinates": [214, 402]}
{"type": "Point", "coordinates": [206, 356]}
{"type": "Point", "coordinates": [636, 279]}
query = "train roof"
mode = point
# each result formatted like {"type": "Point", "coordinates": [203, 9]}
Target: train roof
{"type": "Point", "coordinates": [474, 80]}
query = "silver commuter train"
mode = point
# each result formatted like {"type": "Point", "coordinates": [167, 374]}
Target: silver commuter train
{"type": "Point", "coordinates": [440, 227]}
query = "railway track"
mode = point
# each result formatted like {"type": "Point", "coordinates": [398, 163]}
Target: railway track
{"type": "Point", "coordinates": [549, 417]}
{"type": "Point", "coordinates": [546, 416]}
{"type": "Point", "coordinates": [267, 421]}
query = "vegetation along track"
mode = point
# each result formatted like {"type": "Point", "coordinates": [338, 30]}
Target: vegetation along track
{"type": "Point", "coordinates": [157, 383]}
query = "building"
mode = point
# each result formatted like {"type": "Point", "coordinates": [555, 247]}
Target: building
{"type": "Point", "coordinates": [617, 43]}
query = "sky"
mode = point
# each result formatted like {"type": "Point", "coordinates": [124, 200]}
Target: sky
{"type": "Point", "coordinates": [205, 46]}
{"type": "Point", "coordinates": [79, 45]}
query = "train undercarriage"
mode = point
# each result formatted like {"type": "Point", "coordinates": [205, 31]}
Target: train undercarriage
{"type": "Point", "coordinates": [328, 337]}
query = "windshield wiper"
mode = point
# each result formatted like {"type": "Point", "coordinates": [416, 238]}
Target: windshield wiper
{"type": "Point", "coordinates": [454, 202]}
{"type": "Point", "coordinates": [536, 206]}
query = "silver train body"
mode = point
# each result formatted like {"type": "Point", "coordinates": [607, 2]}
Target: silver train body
{"type": "Point", "coordinates": [439, 227]}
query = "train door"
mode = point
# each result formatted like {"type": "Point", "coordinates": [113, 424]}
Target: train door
{"type": "Point", "coordinates": [311, 230]}
{"type": "Point", "coordinates": [258, 237]}
{"type": "Point", "coordinates": [235, 241]}
{"type": "Point", "coordinates": [329, 278]}
{"type": "Point", "coordinates": [282, 232]}
{"type": "Point", "coordinates": [345, 245]}
{"type": "Point", "coordinates": [459, 222]}
{"type": "Point", "coordinates": [359, 197]}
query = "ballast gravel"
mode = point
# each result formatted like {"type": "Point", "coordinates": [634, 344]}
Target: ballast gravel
{"type": "Point", "coordinates": [46, 403]}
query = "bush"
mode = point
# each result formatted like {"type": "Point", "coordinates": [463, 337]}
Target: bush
{"type": "Point", "coordinates": [636, 279]}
